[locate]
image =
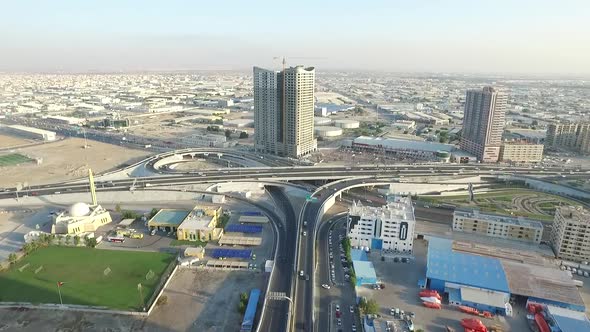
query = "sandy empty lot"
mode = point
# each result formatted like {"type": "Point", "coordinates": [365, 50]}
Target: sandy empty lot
{"type": "Point", "coordinates": [204, 300]}
{"type": "Point", "coordinates": [7, 141]}
{"type": "Point", "coordinates": [66, 160]}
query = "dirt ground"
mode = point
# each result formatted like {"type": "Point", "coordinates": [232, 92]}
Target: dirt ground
{"type": "Point", "coordinates": [7, 141]}
{"type": "Point", "coordinates": [205, 300]}
{"type": "Point", "coordinates": [66, 160]}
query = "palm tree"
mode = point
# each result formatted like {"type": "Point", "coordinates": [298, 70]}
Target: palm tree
{"type": "Point", "coordinates": [76, 240]}
{"type": "Point", "coordinates": [12, 258]}
{"type": "Point", "coordinates": [68, 238]}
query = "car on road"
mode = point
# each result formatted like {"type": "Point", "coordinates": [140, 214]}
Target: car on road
{"type": "Point", "coordinates": [337, 308]}
{"type": "Point", "coordinates": [325, 286]}
{"type": "Point", "coordinates": [304, 233]}
{"type": "Point", "coordinates": [351, 309]}
{"type": "Point", "coordinates": [353, 327]}
{"type": "Point", "coordinates": [153, 232]}
{"type": "Point", "coordinates": [301, 274]}
{"type": "Point", "coordinates": [339, 322]}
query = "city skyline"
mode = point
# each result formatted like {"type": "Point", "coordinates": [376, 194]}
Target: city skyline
{"type": "Point", "coordinates": [529, 37]}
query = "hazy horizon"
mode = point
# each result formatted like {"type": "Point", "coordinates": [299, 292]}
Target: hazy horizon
{"type": "Point", "coordinates": [538, 38]}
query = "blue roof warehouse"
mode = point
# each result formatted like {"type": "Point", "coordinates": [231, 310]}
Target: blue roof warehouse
{"type": "Point", "coordinates": [485, 277]}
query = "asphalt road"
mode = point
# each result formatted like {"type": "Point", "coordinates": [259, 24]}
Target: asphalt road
{"type": "Point", "coordinates": [277, 312]}
{"type": "Point", "coordinates": [341, 292]}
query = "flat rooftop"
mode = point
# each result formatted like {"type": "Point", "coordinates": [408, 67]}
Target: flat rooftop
{"type": "Point", "coordinates": [169, 217]}
{"type": "Point", "coordinates": [577, 214]}
{"type": "Point", "coordinates": [444, 263]}
{"type": "Point", "coordinates": [516, 221]}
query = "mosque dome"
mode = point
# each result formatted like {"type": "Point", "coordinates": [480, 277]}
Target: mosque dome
{"type": "Point", "coordinates": [79, 210]}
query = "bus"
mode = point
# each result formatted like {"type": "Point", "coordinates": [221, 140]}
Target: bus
{"type": "Point", "coordinates": [248, 322]}
{"type": "Point", "coordinates": [118, 239]}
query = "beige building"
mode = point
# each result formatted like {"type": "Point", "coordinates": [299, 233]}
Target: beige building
{"type": "Point", "coordinates": [200, 225]}
{"type": "Point", "coordinates": [483, 123]}
{"type": "Point", "coordinates": [493, 225]}
{"type": "Point", "coordinates": [521, 152]}
{"type": "Point", "coordinates": [80, 218]}
{"type": "Point", "coordinates": [284, 111]}
{"type": "Point", "coordinates": [570, 235]}
{"type": "Point", "coordinates": [571, 136]}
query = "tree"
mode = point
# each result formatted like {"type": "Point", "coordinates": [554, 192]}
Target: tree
{"type": "Point", "coordinates": [12, 258]}
{"type": "Point", "coordinates": [118, 208]}
{"type": "Point", "coordinates": [68, 239]}
{"type": "Point", "coordinates": [27, 248]}
{"type": "Point", "coordinates": [405, 132]}
{"type": "Point", "coordinates": [535, 123]}
{"type": "Point", "coordinates": [372, 307]}
{"type": "Point", "coordinates": [227, 133]}
{"type": "Point", "coordinates": [442, 139]}
{"type": "Point", "coordinates": [153, 212]}
{"type": "Point", "coordinates": [90, 242]}
{"type": "Point", "coordinates": [76, 240]}
{"type": "Point", "coordinates": [243, 135]}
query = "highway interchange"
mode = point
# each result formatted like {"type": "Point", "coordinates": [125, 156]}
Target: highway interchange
{"type": "Point", "coordinates": [295, 251]}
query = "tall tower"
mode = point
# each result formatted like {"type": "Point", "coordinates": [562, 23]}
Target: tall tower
{"type": "Point", "coordinates": [92, 188]}
{"type": "Point", "coordinates": [283, 119]}
{"type": "Point", "coordinates": [483, 123]}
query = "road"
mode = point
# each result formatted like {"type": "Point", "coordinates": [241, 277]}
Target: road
{"type": "Point", "coordinates": [341, 292]}
{"type": "Point", "coordinates": [277, 312]}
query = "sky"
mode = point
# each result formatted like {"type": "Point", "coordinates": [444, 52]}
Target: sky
{"type": "Point", "coordinates": [457, 36]}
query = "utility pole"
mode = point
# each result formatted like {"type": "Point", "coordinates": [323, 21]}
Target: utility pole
{"type": "Point", "coordinates": [141, 300]}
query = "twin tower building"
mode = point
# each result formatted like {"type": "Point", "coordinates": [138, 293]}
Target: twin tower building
{"type": "Point", "coordinates": [284, 111]}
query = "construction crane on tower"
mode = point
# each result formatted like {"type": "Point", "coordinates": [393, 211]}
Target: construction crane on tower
{"type": "Point", "coordinates": [284, 59]}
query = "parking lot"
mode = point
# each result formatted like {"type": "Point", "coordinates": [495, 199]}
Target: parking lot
{"type": "Point", "coordinates": [400, 281]}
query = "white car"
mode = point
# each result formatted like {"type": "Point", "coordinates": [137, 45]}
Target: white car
{"type": "Point", "coordinates": [326, 286]}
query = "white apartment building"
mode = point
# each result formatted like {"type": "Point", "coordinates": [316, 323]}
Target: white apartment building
{"type": "Point", "coordinates": [390, 227]}
{"type": "Point", "coordinates": [521, 152]}
{"type": "Point", "coordinates": [570, 235]}
{"type": "Point", "coordinates": [493, 225]}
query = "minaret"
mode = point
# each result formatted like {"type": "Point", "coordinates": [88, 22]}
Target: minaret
{"type": "Point", "coordinates": [92, 187]}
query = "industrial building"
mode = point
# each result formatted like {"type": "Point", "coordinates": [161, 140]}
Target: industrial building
{"type": "Point", "coordinates": [30, 132]}
{"type": "Point", "coordinates": [404, 148]}
{"type": "Point", "coordinates": [327, 131]}
{"type": "Point", "coordinates": [167, 220]}
{"type": "Point", "coordinates": [363, 269]}
{"type": "Point", "coordinates": [284, 110]}
{"type": "Point", "coordinates": [493, 225]}
{"type": "Point", "coordinates": [346, 123]}
{"type": "Point", "coordinates": [390, 227]}
{"type": "Point", "coordinates": [521, 152]}
{"type": "Point", "coordinates": [64, 120]}
{"type": "Point", "coordinates": [200, 225]}
{"type": "Point", "coordinates": [238, 123]}
{"type": "Point", "coordinates": [483, 123]}
{"type": "Point", "coordinates": [486, 277]}
{"type": "Point", "coordinates": [81, 217]}
{"type": "Point", "coordinates": [404, 125]}
{"type": "Point", "coordinates": [570, 234]}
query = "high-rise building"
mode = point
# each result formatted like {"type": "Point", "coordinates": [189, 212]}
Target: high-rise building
{"type": "Point", "coordinates": [568, 135]}
{"type": "Point", "coordinates": [483, 123]}
{"type": "Point", "coordinates": [570, 235]}
{"type": "Point", "coordinates": [284, 110]}
{"type": "Point", "coordinates": [389, 227]}
{"type": "Point", "coordinates": [493, 225]}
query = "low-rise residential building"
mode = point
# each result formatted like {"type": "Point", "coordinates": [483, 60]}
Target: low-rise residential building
{"type": "Point", "coordinates": [390, 227]}
{"type": "Point", "coordinates": [521, 152]}
{"type": "Point", "coordinates": [570, 235]}
{"type": "Point", "coordinates": [493, 225]}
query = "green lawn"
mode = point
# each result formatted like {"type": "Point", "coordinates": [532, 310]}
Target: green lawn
{"type": "Point", "coordinates": [13, 159]}
{"type": "Point", "coordinates": [500, 202]}
{"type": "Point", "coordinates": [82, 272]}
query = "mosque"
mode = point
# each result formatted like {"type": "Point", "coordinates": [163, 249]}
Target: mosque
{"type": "Point", "coordinates": [81, 217]}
